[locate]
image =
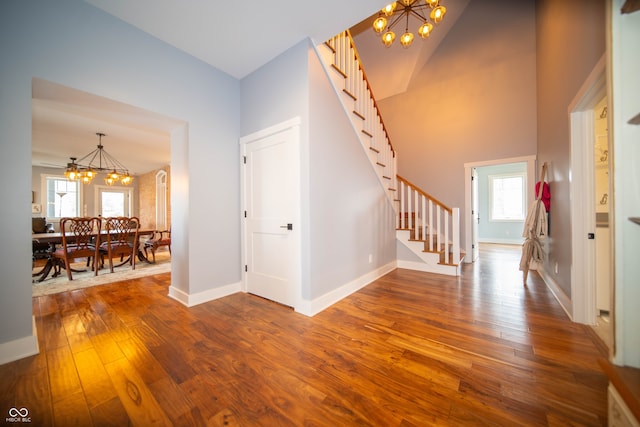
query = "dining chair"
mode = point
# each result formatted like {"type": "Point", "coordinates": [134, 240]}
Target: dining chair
{"type": "Point", "coordinates": [159, 238]}
{"type": "Point", "coordinates": [121, 240]}
{"type": "Point", "coordinates": [80, 238]}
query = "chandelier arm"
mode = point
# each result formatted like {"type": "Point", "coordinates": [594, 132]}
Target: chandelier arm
{"type": "Point", "coordinates": [92, 155]}
{"type": "Point", "coordinates": [395, 21]}
{"type": "Point", "coordinates": [416, 14]}
{"type": "Point", "coordinates": [113, 163]}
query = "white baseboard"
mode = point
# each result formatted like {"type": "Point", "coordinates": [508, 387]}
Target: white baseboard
{"type": "Point", "coordinates": [516, 241]}
{"type": "Point", "coordinates": [448, 270]}
{"type": "Point", "coordinates": [311, 308]}
{"type": "Point", "coordinates": [556, 290]}
{"type": "Point", "coordinates": [20, 348]}
{"type": "Point", "coordinates": [190, 300]}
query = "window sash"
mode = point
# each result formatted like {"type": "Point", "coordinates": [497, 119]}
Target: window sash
{"type": "Point", "coordinates": [507, 197]}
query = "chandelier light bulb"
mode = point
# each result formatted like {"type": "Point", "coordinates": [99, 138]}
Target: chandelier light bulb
{"type": "Point", "coordinates": [388, 38]}
{"type": "Point", "coordinates": [425, 30]}
{"type": "Point", "coordinates": [388, 9]}
{"type": "Point", "coordinates": [432, 3]}
{"type": "Point", "coordinates": [380, 24]}
{"type": "Point", "coordinates": [437, 14]}
{"type": "Point", "coordinates": [406, 39]}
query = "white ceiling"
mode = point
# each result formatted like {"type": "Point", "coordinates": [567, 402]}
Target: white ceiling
{"type": "Point", "coordinates": [65, 120]}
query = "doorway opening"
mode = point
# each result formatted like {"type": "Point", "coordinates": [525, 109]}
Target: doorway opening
{"type": "Point", "coordinates": [591, 206]}
{"type": "Point", "coordinates": [477, 198]}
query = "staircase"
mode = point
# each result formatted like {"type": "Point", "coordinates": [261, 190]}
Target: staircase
{"type": "Point", "coordinates": [425, 226]}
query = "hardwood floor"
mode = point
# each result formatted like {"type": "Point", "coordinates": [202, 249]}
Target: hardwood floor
{"type": "Point", "coordinates": [411, 349]}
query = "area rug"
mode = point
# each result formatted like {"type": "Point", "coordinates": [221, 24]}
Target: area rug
{"type": "Point", "coordinates": [54, 285]}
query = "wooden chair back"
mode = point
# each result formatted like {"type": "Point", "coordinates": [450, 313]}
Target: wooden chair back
{"type": "Point", "coordinates": [80, 238]}
{"type": "Point", "coordinates": [122, 239]}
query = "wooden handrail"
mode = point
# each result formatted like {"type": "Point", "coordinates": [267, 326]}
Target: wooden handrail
{"type": "Point", "coordinates": [424, 193]}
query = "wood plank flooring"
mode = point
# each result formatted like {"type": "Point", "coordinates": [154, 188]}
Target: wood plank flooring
{"type": "Point", "coordinates": [411, 349]}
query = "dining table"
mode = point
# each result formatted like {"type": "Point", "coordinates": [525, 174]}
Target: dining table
{"type": "Point", "coordinates": [54, 239]}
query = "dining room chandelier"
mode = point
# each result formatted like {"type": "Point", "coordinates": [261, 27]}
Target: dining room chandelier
{"type": "Point", "coordinates": [428, 12]}
{"type": "Point", "coordinates": [99, 161]}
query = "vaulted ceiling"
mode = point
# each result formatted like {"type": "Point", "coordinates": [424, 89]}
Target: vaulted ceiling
{"type": "Point", "coordinates": [234, 37]}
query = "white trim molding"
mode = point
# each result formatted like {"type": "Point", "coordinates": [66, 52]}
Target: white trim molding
{"type": "Point", "coordinates": [312, 307]}
{"type": "Point", "coordinates": [21, 347]}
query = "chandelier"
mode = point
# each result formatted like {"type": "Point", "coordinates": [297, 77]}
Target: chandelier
{"type": "Point", "coordinates": [99, 161]}
{"type": "Point", "coordinates": [396, 11]}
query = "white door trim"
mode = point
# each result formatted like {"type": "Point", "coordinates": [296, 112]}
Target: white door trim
{"type": "Point", "coordinates": [582, 190]}
{"type": "Point", "coordinates": [531, 172]}
{"type": "Point", "coordinates": [296, 235]}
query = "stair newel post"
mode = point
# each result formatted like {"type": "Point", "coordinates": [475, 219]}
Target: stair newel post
{"type": "Point", "coordinates": [456, 234]}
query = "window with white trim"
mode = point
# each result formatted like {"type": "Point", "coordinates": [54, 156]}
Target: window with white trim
{"type": "Point", "coordinates": [507, 197]}
{"type": "Point", "coordinates": [61, 197]}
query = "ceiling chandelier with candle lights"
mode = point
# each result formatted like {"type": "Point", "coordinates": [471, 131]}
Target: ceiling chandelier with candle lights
{"type": "Point", "coordinates": [428, 12]}
{"type": "Point", "coordinates": [99, 161]}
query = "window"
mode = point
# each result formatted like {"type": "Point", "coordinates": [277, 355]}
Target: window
{"type": "Point", "coordinates": [113, 201]}
{"type": "Point", "coordinates": [506, 193]}
{"type": "Point", "coordinates": [62, 197]}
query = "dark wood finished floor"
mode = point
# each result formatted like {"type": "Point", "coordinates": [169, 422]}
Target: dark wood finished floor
{"type": "Point", "coordinates": [411, 349]}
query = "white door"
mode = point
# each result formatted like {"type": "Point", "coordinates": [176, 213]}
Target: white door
{"type": "Point", "coordinates": [114, 201]}
{"type": "Point", "coordinates": [271, 211]}
{"type": "Point", "coordinates": [475, 220]}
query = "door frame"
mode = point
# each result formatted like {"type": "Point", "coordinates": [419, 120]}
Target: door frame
{"type": "Point", "coordinates": [468, 226]}
{"type": "Point", "coordinates": [98, 189]}
{"type": "Point", "coordinates": [296, 234]}
{"type": "Point", "coordinates": [582, 190]}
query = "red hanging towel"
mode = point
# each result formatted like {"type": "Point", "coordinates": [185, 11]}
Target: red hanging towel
{"type": "Point", "coordinates": [546, 195]}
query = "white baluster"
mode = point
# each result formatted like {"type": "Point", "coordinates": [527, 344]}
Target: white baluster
{"type": "Point", "coordinates": [409, 208]}
{"type": "Point", "coordinates": [439, 229]}
{"type": "Point", "coordinates": [415, 214]}
{"type": "Point", "coordinates": [402, 206]}
{"type": "Point", "coordinates": [446, 237]}
{"type": "Point", "coordinates": [430, 225]}
{"type": "Point", "coordinates": [424, 217]}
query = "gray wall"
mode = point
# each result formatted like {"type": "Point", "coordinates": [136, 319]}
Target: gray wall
{"type": "Point", "coordinates": [502, 231]}
{"type": "Point", "coordinates": [474, 100]}
{"type": "Point", "coordinates": [349, 212]}
{"type": "Point", "coordinates": [570, 41]}
{"type": "Point", "coordinates": [74, 44]}
{"type": "Point", "coordinates": [345, 214]}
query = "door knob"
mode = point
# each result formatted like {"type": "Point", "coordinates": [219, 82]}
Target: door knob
{"type": "Point", "coordinates": [288, 226]}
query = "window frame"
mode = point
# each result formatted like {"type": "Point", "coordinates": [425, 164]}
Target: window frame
{"type": "Point", "coordinates": [44, 180]}
{"type": "Point", "coordinates": [502, 176]}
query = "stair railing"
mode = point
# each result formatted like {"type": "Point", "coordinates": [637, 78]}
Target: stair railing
{"type": "Point", "coordinates": [363, 109]}
{"type": "Point", "coordinates": [432, 218]}
{"type": "Point", "coordinates": [429, 220]}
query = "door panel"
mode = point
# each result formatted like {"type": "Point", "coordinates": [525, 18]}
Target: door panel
{"type": "Point", "coordinates": [271, 232]}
